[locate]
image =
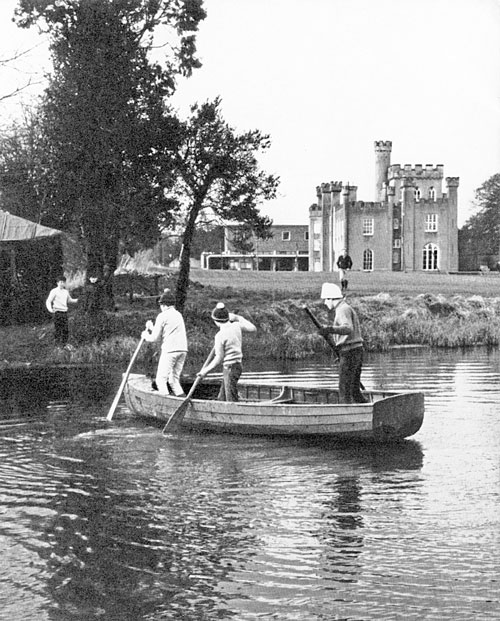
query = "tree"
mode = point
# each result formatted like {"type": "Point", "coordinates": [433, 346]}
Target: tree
{"type": "Point", "coordinates": [101, 114]}
{"type": "Point", "coordinates": [481, 233]}
{"type": "Point", "coordinates": [24, 169]}
{"type": "Point", "coordinates": [215, 170]}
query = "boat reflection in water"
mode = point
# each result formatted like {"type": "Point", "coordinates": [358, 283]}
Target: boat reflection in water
{"type": "Point", "coordinates": [118, 521]}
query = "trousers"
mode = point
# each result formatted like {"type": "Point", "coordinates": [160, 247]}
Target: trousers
{"type": "Point", "coordinates": [61, 330]}
{"type": "Point", "coordinates": [229, 387]}
{"type": "Point", "coordinates": [168, 372]}
{"type": "Point", "coordinates": [350, 364]}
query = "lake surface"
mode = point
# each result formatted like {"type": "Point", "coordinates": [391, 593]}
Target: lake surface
{"type": "Point", "coordinates": [114, 521]}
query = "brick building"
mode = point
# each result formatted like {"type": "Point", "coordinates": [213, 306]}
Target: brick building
{"type": "Point", "coordinates": [410, 226]}
{"type": "Point", "coordinates": [286, 250]}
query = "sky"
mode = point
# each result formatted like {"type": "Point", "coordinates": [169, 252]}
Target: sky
{"type": "Point", "coordinates": [327, 78]}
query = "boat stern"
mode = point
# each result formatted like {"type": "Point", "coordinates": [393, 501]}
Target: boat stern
{"type": "Point", "coordinates": [398, 417]}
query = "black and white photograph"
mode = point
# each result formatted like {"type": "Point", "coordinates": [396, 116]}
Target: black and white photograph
{"type": "Point", "coordinates": [249, 310]}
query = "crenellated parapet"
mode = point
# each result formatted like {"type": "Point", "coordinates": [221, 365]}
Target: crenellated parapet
{"type": "Point", "coordinates": [367, 206]}
{"type": "Point", "coordinates": [429, 171]}
{"type": "Point", "coordinates": [328, 188]}
{"type": "Point", "coordinates": [452, 182]}
{"type": "Point", "coordinates": [383, 145]}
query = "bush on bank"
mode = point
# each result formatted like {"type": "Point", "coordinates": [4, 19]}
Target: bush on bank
{"type": "Point", "coordinates": [284, 331]}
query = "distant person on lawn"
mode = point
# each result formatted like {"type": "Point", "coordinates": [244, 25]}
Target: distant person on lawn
{"type": "Point", "coordinates": [93, 296]}
{"type": "Point", "coordinates": [344, 263]}
{"type": "Point", "coordinates": [168, 328]}
{"type": "Point", "coordinates": [228, 350]}
{"type": "Point", "coordinates": [349, 344]}
{"type": "Point", "coordinates": [57, 305]}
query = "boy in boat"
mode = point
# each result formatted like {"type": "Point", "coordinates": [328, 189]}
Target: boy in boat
{"type": "Point", "coordinates": [349, 344]}
{"type": "Point", "coordinates": [227, 347]}
{"type": "Point", "coordinates": [169, 327]}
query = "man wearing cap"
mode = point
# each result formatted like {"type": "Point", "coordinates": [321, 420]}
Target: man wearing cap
{"type": "Point", "coordinates": [347, 336]}
{"type": "Point", "coordinates": [227, 346]}
{"type": "Point", "coordinates": [170, 329]}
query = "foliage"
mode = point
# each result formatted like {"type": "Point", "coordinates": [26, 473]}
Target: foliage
{"type": "Point", "coordinates": [23, 169]}
{"type": "Point", "coordinates": [215, 170]}
{"type": "Point", "coordinates": [102, 112]}
{"type": "Point", "coordinates": [480, 235]}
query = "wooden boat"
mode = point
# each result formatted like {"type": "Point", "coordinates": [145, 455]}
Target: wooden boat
{"type": "Point", "coordinates": [283, 410]}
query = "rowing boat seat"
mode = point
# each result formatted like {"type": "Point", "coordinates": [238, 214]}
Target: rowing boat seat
{"type": "Point", "coordinates": [285, 396]}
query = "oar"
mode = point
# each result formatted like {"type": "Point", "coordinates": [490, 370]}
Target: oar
{"type": "Point", "coordinates": [124, 381]}
{"type": "Point", "coordinates": [179, 413]}
{"type": "Point", "coordinates": [327, 337]}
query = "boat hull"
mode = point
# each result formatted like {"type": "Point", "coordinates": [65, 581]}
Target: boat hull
{"type": "Point", "coordinates": [290, 411]}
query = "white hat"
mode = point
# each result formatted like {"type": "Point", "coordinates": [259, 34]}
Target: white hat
{"type": "Point", "coordinates": [331, 291]}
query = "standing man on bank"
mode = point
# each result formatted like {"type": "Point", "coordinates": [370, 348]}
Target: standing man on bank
{"type": "Point", "coordinates": [348, 341]}
{"type": "Point", "coordinates": [344, 263]}
{"type": "Point", "coordinates": [57, 305]}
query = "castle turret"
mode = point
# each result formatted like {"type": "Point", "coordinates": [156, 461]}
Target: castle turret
{"type": "Point", "coordinates": [382, 162]}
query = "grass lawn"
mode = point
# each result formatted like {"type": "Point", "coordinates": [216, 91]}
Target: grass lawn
{"type": "Point", "coordinates": [308, 284]}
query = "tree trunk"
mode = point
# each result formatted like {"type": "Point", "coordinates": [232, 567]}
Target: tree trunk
{"type": "Point", "coordinates": [185, 260]}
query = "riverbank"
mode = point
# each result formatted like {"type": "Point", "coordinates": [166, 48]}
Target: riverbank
{"type": "Point", "coordinates": [446, 312]}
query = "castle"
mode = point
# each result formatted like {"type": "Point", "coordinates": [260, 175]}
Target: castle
{"type": "Point", "coordinates": [410, 226]}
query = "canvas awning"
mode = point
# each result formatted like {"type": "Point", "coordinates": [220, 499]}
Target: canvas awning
{"type": "Point", "coordinates": [14, 228]}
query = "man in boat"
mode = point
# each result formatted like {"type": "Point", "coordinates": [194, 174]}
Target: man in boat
{"type": "Point", "coordinates": [170, 329]}
{"type": "Point", "coordinates": [349, 344]}
{"type": "Point", "coordinates": [228, 351]}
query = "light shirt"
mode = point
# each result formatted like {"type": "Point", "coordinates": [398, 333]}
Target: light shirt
{"type": "Point", "coordinates": [347, 330]}
{"type": "Point", "coordinates": [169, 327]}
{"type": "Point", "coordinates": [228, 340]}
{"type": "Point", "coordinates": [58, 299]}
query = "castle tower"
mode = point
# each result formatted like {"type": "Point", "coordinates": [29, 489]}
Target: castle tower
{"type": "Point", "coordinates": [383, 150]}
{"type": "Point", "coordinates": [452, 187]}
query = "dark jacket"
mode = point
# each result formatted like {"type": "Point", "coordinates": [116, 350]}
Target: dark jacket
{"type": "Point", "coordinates": [344, 262]}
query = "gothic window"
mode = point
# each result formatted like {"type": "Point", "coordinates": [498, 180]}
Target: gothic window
{"type": "Point", "coordinates": [367, 226]}
{"type": "Point", "coordinates": [432, 194]}
{"type": "Point", "coordinates": [430, 257]}
{"type": "Point", "coordinates": [417, 194]}
{"type": "Point", "coordinates": [431, 222]}
{"type": "Point", "coordinates": [368, 260]}
{"type": "Point", "coordinates": [285, 236]}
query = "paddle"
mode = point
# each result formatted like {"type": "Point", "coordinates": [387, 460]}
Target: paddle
{"type": "Point", "coordinates": [124, 381]}
{"type": "Point", "coordinates": [178, 414]}
{"type": "Point", "coordinates": [327, 337]}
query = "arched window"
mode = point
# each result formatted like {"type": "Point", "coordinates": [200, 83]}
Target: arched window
{"type": "Point", "coordinates": [417, 194]}
{"type": "Point", "coordinates": [432, 194]}
{"type": "Point", "coordinates": [368, 260]}
{"type": "Point", "coordinates": [430, 257]}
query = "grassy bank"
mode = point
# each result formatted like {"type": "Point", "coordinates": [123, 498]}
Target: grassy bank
{"type": "Point", "coordinates": [435, 310]}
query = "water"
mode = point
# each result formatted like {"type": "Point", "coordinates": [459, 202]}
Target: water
{"type": "Point", "coordinates": [115, 521]}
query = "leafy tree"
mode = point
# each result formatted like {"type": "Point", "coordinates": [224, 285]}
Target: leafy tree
{"type": "Point", "coordinates": [102, 112]}
{"type": "Point", "coordinates": [215, 171]}
{"type": "Point", "coordinates": [242, 240]}
{"type": "Point", "coordinates": [24, 169]}
{"type": "Point", "coordinates": [480, 235]}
